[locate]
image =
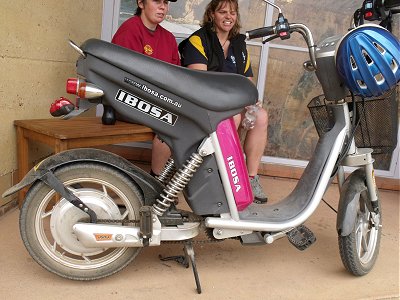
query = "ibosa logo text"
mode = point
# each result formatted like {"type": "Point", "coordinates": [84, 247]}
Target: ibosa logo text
{"type": "Point", "coordinates": [146, 107]}
{"type": "Point", "coordinates": [234, 173]}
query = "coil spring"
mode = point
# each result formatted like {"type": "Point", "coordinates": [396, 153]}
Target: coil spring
{"type": "Point", "coordinates": [167, 172]}
{"type": "Point", "coordinates": [178, 182]}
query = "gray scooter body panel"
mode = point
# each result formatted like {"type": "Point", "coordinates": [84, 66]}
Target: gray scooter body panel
{"type": "Point", "coordinates": [150, 186]}
{"type": "Point", "coordinates": [204, 193]}
{"type": "Point", "coordinates": [213, 91]}
{"type": "Point", "coordinates": [188, 121]}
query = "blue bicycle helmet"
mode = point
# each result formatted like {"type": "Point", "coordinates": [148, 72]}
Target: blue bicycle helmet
{"type": "Point", "coordinates": [368, 60]}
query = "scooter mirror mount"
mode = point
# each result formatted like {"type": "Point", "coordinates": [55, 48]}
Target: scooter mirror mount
{"type": "Point", "coordinates": [281, 25]}
{"type": "Point", "coordinates": [77, 49]}
{"type": "Point", "coordinates": [274, 5]}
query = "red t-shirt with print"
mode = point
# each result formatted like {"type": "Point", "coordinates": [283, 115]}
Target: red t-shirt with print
{"type": "Point", "coordinates": [159, 44]}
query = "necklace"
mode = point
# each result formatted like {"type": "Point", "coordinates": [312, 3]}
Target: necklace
{"type": "Point", "coordinates": [224, 43]}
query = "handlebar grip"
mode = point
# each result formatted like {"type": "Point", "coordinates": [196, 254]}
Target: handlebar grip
{"type": "Point", "coordinates": [391, 3]}
{"type": "Point", "coordinates": [260, 32]}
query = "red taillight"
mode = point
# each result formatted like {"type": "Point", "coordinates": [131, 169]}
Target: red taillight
{"type": "Point", "coordinates": [72, 85]}
{"type": "Point", "coordinates": [83, 89]}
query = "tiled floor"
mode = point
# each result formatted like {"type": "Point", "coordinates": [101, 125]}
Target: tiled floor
{"type": "Point", "coordinates": [227, 270]}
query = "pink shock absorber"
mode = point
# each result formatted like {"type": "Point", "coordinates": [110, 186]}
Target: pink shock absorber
{"type": "Point", "coordinates": [235, 164]}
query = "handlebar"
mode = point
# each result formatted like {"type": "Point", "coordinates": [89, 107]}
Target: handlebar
{"type": "Point", "coordinates": [260, 32]}
{"type": "Point", "coordinates": [388, 4]}
{"type": "Point", "coordinates": [371, 10]}
{"type": "Point", "coordinates": [283, 31]}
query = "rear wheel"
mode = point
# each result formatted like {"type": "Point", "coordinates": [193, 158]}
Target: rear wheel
{"type": "Point", "coordinates": [359, 250]}
{"type": "Point", "coordinates": [46, 221]}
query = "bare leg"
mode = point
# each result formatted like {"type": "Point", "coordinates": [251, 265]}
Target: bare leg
{"type": "Point", "coordinates": [238, 119]}
{"type": "Point", "coordinates": [255, 142]}
{"type": "Point", "coordinates": [254, 145]}
{"type": "Point", "coordinates": [159, 155]}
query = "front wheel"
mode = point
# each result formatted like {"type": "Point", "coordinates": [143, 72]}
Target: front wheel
{"type": "Point", "coordinates": [46, 221]}
{"type": "Point", "coordinates": [359, 250]}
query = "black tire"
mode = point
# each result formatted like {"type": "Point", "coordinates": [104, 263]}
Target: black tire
{"type": "Point", "coordinates": [359, 250]}
{"type": "Point", "coordinates": [46, 220]}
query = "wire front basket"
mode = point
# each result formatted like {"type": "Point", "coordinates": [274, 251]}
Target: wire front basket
{"type": "Point", "coordinates": [378, 120]}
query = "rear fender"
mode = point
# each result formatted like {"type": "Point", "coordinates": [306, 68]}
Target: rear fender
{"type": "Point", "coordinates": [349, 202]}
{"type": "Point", "coordinates": [150, 186]}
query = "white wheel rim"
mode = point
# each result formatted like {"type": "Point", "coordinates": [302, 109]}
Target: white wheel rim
{"type": "Point", "coordinates": [93, 258]}
{"type": "Point", "coordinates": [366, 235]}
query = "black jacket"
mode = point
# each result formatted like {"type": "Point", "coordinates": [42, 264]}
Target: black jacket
{"type": "Point", "coordinates": [214, 52]}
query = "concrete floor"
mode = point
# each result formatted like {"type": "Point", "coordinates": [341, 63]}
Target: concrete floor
{"type": "Point", "coordinates": [227, 270]}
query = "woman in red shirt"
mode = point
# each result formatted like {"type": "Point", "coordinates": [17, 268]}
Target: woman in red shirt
{"type": "Point", "coordinates": [144, 34]}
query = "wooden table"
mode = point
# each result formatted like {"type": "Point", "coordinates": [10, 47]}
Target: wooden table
{"type": "Point", "coordinates": [79, 132]}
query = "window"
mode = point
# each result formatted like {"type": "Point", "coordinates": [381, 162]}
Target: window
{"type": "Point", "coordinates": [283, 84]}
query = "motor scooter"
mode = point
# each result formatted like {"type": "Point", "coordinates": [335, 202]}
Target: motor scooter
{"type": "Point", "coordinates": [89, 212]}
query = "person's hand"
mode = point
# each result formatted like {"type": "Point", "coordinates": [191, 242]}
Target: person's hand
{"type": "Point", "coordinates": [258, 103]}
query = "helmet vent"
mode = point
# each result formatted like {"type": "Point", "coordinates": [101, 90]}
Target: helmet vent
{"type": "Point", "coordinates": [394, 66]}
{"type": "Point", "coordinates": [367, 58]}
{"type": "Point", "coordinates": [353, 63]}
{"type": "Point", "coordinates": [361, 84]}
{"type": "Point", "coordinates": [379, 47]}
{"type": "Point", "coordinates": [379, 78]}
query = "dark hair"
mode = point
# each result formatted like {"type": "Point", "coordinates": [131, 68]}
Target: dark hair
{"type": "Point", "coordinates": [213, 6]}
{"type": "Point", "coordinates": [138, 11]}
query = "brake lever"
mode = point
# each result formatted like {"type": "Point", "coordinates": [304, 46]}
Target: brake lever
{"type": "Point", "coordinates": [270, 38]}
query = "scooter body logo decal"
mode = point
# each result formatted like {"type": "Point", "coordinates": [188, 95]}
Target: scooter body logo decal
{"type": "Point", "coordinates": [234, 173]}
{"type": "Point", "coordinates": [103, 237]}
{"type": "Point", "coordinates": [146, 107]}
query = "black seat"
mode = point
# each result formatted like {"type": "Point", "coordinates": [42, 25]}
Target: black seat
{"type": "Point", "coordinates": [214, 91]}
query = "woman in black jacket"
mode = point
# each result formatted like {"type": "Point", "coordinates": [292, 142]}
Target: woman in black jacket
{"type": "Point", "coordinates": [219, 46]}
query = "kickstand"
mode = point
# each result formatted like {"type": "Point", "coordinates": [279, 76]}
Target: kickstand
{"type": "Point", "coordinates": [189, 253]}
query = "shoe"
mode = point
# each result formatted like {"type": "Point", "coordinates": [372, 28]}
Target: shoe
{"type": "Point", "coordinates": [259, 195]}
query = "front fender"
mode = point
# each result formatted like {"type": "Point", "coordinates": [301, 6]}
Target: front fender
{"type": "Point", "coordinates": [349, 202]}
{"type": "Point", "coordinates": [150, 186]}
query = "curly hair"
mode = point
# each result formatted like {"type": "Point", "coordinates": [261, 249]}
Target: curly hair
{"type": "Point", "coordinates": [213, 6]}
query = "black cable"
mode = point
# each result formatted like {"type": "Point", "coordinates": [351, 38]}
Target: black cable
{"type": "Point", "coordinates": [365, 134]}
{"type": "Point", "coordinates": [330, 206]}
